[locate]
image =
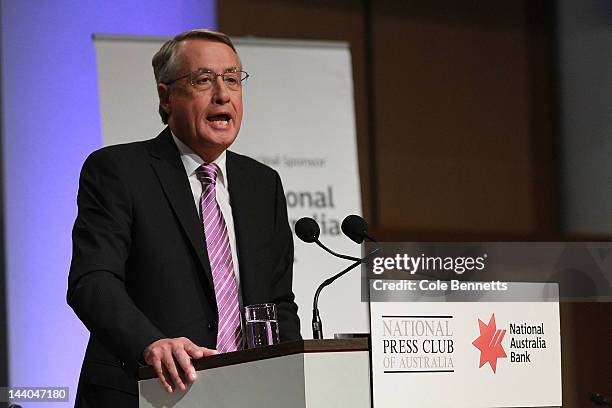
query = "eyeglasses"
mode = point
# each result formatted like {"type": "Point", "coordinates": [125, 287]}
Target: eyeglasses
{"type": "Point", "coordinates": [203, 79]}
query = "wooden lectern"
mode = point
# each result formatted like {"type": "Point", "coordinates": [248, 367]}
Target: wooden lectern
{"type": "Point", "coordinates": [298, 374]}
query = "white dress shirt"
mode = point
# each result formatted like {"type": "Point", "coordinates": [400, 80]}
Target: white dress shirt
{"type": "Point", "coordinates": [192, 161]}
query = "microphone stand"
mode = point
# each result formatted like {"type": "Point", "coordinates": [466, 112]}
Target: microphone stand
{"type": "Point", "coordinates": [317, 325]}
{"type": "Point", "coordinates": [348, 258]}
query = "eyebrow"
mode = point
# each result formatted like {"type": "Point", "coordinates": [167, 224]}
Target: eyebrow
{"type": "Point", "coordinates": [207, 69]}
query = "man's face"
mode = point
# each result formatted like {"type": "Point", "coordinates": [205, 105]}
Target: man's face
{"type": "Point", "coordinates": [206, 121]}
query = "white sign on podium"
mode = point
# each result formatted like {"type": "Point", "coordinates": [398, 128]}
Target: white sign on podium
{"type": "Point", "coordinates": [428, 351]}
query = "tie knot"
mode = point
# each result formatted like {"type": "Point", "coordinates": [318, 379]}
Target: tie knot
{"type": "Point", "coordinates": [207, 173]}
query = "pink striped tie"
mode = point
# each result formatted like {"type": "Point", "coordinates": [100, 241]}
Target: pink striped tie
{"type": "Point", "coordinates": [229, 336]}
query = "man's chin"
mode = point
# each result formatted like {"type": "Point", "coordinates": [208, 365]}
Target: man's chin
{"type": "Point", "coordinates": [223, 140]}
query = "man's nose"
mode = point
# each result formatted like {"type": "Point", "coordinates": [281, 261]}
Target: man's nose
{"type": "Point", "coordinates": [221, 92]}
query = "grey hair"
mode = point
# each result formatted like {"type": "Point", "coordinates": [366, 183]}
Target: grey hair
{"type": "Point", "coordinates": [163, 60]}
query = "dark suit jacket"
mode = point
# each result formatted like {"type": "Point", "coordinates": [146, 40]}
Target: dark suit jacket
{"type": "Point", "coordinates": [140, 271]}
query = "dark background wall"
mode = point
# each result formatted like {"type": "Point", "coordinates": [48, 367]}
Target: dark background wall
{"type": "Point", "coordinates": [457, 111]}
{"type": "Point", "coordinates": [453, 102]}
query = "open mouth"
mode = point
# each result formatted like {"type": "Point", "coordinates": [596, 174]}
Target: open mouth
{"type": "Point", "coordinates": [219, 121]}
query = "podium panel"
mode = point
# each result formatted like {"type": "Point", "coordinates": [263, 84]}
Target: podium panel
{"type": "Point", "coordinates": [304, 374]}
{"type": "Point", "coordinates": [461, 351]}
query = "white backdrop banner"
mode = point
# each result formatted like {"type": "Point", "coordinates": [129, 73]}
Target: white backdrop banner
{"type": "Point", "coordinates": [298, 118]}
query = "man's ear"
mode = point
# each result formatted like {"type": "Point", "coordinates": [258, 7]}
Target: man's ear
{"type": "Point", "coordinates": [163, 91]}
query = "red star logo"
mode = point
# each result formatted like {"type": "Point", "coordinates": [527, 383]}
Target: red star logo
{"type": "Point", "coordinates": [490, 343]}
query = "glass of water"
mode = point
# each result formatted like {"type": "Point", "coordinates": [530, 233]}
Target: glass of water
{"type": "Point", "coordinates": [261, 325]}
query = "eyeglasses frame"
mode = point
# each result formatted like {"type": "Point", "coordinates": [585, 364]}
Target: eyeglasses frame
{"type": "Point", "coordinates": [192, 74]}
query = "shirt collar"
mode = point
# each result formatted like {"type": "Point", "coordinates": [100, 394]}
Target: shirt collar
{"type": "Point", "coordinates": [191, 161]}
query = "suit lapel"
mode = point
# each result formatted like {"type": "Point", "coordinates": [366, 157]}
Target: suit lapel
{"type": "Point", "coordinates": [175, 184]}
{"type": "Point", "coordinates": [242, 186]}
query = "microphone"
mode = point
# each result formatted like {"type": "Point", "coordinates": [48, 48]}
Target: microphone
{"type": "Point", "coordinates": [355, 227]}
{"type": "Point", "coordinates": [308, 231]}
{"type": "Point", "coordinates": [599, 399]}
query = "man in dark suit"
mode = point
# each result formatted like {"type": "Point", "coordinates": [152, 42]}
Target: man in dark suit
{"type": "Point", "coordinates": [152, 277]}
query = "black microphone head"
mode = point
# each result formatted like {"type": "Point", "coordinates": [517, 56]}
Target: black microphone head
{"type": "Point", "coordinates": [355, 228]}
{"type": "Point", "coordinates": [307, 229]}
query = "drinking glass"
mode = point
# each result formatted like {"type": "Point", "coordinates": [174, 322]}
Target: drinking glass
{"type": "Point", "coordinates": [261, 325]}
